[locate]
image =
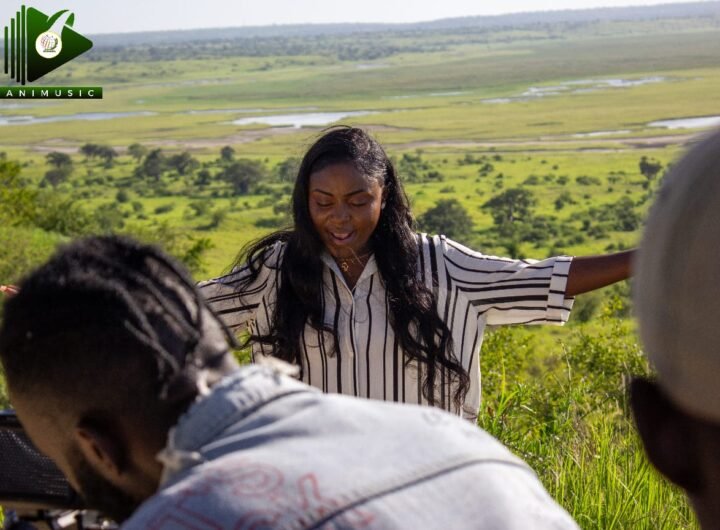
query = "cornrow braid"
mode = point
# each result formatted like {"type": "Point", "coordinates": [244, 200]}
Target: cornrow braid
{"type": "Point", "coordinates": [141, 299]}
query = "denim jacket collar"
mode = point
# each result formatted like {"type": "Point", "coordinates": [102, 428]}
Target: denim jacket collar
{"type": "Point", "coordinates": [229, 402]}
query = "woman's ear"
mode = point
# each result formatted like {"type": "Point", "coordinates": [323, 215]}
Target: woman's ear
{"type": "Point", "coordinates": [102, 447]}
{"type": "Point", "coordinates": [669, 435]}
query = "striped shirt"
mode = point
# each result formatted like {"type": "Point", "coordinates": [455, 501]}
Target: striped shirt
{"type": "Point", "coordinates": [472, 291]}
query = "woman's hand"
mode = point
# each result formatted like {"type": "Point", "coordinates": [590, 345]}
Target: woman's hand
{"type": "Point", "coordinates": [9, 290]}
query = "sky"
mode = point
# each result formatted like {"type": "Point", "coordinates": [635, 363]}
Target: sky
{"type": "Point", "coordinates": [102, 16]}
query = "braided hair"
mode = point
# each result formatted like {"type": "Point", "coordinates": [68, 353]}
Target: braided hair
{"type": "Point", "coordinates": [111, 324]}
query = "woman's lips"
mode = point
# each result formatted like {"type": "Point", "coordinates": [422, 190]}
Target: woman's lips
{"type": "Point", "coordinates": [341, 237]}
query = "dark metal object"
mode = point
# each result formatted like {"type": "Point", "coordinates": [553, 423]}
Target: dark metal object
{"type": "Point", "coordinates": [28, 477]}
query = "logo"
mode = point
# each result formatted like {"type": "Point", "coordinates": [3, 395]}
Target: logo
{"type": "Point", "coordinates": [48, 45]}
{"type": "Point", "coordinates": [35, 45]}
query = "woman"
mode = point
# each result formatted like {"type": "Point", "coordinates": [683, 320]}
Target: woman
{"type": "Point", "coordinates": [366, 306]}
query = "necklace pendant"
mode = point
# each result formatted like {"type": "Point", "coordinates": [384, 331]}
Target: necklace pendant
{"type": "Point", "coordinates": [344, 266]}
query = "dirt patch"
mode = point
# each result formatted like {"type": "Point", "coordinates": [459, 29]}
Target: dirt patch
{"type": "Point", "coordinates": [559, 141]}
{"type": "Point", "coordinates": [245, 136]}
{"type": "Point", "coordinates": [254, 135]}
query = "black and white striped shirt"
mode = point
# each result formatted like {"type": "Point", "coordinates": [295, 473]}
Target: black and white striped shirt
{"type": "Point", "coordinates": [473, 291]}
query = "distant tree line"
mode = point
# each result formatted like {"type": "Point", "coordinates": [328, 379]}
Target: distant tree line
{"type": "Point", "coordinates": [355, 47]}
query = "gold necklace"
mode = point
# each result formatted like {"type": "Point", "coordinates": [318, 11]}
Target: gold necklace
{"type": "Point", "coordinates": [345, 262]}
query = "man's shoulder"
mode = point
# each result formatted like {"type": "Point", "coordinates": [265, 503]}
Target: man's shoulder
{"type": "Point", "coordinates": [305, 457]}
{"type": "Point", "coordinates": [243, 492]}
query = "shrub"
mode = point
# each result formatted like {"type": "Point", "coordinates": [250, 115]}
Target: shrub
{"type": "Point", "coordinates": [584, 180]}
{"type": "Point", "coordinates": [165, 208]}
{"type": "Point", "coordinates": [447, 217]}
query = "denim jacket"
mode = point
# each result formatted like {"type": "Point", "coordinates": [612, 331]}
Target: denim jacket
{"type": "Point", "coordinates": [262, 450]}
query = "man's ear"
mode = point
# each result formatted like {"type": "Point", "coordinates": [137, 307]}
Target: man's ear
{"type": "Point", "coordinates": [102, 446]}
{"type": "Point", "coordinates": [668, 434]}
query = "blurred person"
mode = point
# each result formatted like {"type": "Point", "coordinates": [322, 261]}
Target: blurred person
{"type": "Point", "coordinates": [122, 375]}
{"type": "Point", "coordinates": [677, 300]}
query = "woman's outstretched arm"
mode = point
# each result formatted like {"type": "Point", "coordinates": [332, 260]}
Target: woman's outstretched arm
{"type": "Point", "coordinates": [592, 272]}
{"type": "Point", "coordinates": [9, 290]}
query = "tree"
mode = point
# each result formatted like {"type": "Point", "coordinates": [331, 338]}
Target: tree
{"type": "Point", "coordinates": [447, 217]}
{"type": "Point", "coordinates": [243, 174]}
{"type": "Point", "coordinates": [512, 206]}
{"type": "Point", "coordinates": [649, 167]}
{"type": "Point", "coordinates": [183, 163]}
{"type": "Point", "coordinates": [107, 153]}
{"type": "Point", "coordinates": [17, 201]}
{"type": "Point", "coordinates": [287, 170]}
{"type": "Point", "coordinates": [62, 167]}
{"type": "Point", "coordinates": [55, 176]}
{"type": "Point", "coordinates": [89, 150]}
{"type": "Point", "coordinates": [227, 154]}
{"type": "Point", "coordinates": [153, 165]}
{"type": "Point", "coordinates": [137, 151]}
{"type": "Point", "coordinates": [59, 160]}
{"type": "Point", "coordinates": [21, 205]}
{"type": "Point", "coordinates": [203, 177]}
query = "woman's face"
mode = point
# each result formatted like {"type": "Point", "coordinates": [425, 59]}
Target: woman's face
{"type": "Point", "coordinates": [345, 208]}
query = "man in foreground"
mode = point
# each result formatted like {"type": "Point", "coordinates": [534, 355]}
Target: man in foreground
{"type": "Point", "coordinates": [678, 308]}
{"type": "Point", "coordinates": [122, 376]}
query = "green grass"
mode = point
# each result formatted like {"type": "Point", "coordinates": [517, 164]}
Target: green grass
{"type": "Point", "coordinates": [561, 404]}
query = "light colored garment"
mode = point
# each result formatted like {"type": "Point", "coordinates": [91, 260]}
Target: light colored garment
{"type": "Point", "coordinates": [266, 451]}
{"type": "Point", "coordinates": [473, 291]}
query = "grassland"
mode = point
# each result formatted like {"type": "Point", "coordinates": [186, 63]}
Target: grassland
{"type": "Point", "coordinates": [543, 397]}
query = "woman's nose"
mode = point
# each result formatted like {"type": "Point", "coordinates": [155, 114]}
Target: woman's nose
{"type": "Point", "coordinates": [341, 212]}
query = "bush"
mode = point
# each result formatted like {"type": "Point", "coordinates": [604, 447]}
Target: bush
{"type": "Point", "coordinates": [447, 217]}
{"type": "Point", "coordinates": [217, 218]}
{"type": "Point", "coordinates": [563, 199]}
{"type": "Point", "coordinates": [122, 196]}
{"type": "Point", "coordinates": [109, 217]}
{"type": "Point", "coordinates": [199, 208]}
{"type": "Point", "coordinates": [244, 174]}
{"type": "Point", "coordinates": [165, 208]}
{"type": "Point", "coordinates": [585, 180]}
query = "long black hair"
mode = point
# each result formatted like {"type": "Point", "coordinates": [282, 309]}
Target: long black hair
{"type": "Point", "coordinates": [422, 334]}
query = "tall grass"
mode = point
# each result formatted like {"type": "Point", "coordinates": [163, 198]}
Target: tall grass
{"type": "Point", "coordinates": [565, 411]}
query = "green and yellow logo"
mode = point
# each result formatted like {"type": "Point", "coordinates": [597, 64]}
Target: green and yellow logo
{"type": "Point", "coordinates": [35, 45]}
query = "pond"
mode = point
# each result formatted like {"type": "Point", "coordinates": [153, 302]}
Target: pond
{"type": "Point", "coordinates": [700, 122]}
{"type": "Point", "coordinates": [430, 95]}
{"type": "Point", "coordinates": [593, 134]}
{"type": "Point", "coordinates": [301, 120]}
{"type": "Point", "coordinates": [577, 86]}
{"type": "Point", "coordinates": [245, 111]}
{"type": "Point", "coordinates": [89, 116]}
